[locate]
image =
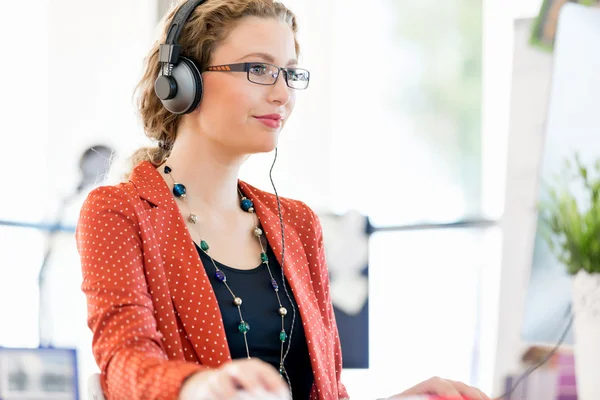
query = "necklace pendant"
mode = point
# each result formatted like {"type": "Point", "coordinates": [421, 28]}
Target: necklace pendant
{"type": "Point", "coordinates": [237, 301]}
{"type": "Point", "coordinates": [282, 311]}
{"type": "Point", "coordinates": [258, 232]}
{"type": "Point", "coordinates": [282, 336]}
{"type": "Point", "coordinates": [193, 218]}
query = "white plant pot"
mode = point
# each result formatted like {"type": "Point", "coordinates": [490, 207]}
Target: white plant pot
{"type": "Point", "coordinates": [586, 309]}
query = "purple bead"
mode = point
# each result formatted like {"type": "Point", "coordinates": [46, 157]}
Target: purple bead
{"type": "Point", "coordinates": [221, 276]}
{"type": "Point", "coordinates": [274, 284]}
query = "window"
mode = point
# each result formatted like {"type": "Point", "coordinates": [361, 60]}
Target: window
{"type": "Point", "coordinates": [406, 95]}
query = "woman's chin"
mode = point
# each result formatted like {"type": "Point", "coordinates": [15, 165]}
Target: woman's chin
{"type": "Point", "coordinates": [266, 145]}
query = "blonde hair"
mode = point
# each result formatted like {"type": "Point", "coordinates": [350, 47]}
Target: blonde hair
{"type": "Point", "coordinates": [207, 27]}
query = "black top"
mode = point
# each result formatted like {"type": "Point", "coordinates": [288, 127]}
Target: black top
{"type": "Point", "coordinates": [260, 311]}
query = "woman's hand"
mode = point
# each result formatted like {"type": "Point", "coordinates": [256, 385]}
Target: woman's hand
{"type": "Point", "coordinates": [237, 379]}
{"type": "Point", "coordinates": [443, 387]}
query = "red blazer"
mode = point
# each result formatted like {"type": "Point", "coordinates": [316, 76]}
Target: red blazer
{"type": "Point", "coordinates": [151, 307]}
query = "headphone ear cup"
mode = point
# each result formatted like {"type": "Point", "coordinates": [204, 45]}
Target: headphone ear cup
{"type": "Point", "coordinates": [189, 87]}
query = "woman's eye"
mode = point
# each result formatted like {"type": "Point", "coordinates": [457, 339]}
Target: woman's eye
{"type": "Point", "coordinates": [258, 69]}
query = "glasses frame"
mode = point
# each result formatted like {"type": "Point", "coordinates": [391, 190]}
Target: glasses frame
{"type": "Point", "coordinates": [245, 67]}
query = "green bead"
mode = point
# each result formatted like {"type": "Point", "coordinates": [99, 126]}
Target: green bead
{"type": "Point", "coordinates": [263, 257]}
{"type": "Point", "coordinates": [204, 246]}
{"type": "Point", "coordinates": [282, 336]}
{"type": "Point", "coordinates": [243, 327]}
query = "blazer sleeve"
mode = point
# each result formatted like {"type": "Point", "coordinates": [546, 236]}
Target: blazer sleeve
{"type": "Point", "coordinates": [126, 342]}
{"type": "Point", "coordinates": [342, 392]}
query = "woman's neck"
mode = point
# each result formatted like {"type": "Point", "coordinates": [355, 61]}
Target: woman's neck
{"type": "Point", "coordinates": [208, 172]}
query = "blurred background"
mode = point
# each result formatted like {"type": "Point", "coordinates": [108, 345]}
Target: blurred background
{"type": "Point", "coordinates": [423, 117]}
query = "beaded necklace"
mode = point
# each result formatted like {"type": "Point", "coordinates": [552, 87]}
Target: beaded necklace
{"type": "Point", "coordinates": [180, 193]}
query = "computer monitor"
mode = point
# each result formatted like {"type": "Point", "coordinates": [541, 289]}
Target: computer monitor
{"type": "Point", "coordinates": [573, 125]}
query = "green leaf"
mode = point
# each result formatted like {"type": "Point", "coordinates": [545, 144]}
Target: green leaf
{"type": "Point", "coordinates": [571, 233]}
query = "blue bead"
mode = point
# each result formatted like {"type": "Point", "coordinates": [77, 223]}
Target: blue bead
{"type": "Point", "coordinates": [274, 284]}
{"type": "Point", "coordinates": [221, 276]}
{"type": "Point", "coordinates": [246, 204]}
{"type": "Point", "coordinates": [167, 169]}
{"type": "Point", "coordinates": [179, 190]}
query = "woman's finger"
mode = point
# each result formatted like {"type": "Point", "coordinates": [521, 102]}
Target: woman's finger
{"type": "Point", "coordinates": [437, 386]}
{"type": "Point", "coordinates": [222, 385]}
{"type": "Point", "coordinates": [244, 376]}
{"type": "Point", "coordinates": [272, 381]}
{"type": "Point", "coordinates": [255, 376]}
{"type": "Point", "coordinates": [443, 387]}
{"type": "Point", "coordinates": [469, 392]}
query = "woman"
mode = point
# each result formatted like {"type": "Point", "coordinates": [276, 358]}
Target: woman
{"type": "Point", "coordinates": [177, 304]}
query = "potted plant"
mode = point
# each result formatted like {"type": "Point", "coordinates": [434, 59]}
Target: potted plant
{"type": "Point", "coordinates": [570, 214]}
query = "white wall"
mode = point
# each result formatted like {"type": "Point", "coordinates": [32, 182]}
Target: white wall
{"type": "Point", "coordinates": [96, 58]}
{"type": "Point", "coordinates": [23, 106]}
{"type": "Point", "coordinates": [24, 117]}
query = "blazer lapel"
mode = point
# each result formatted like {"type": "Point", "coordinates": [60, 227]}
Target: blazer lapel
{"type": "Point", "coordinates": [297, 272]}
{"type": "Point", "coordinates": [191, 292]}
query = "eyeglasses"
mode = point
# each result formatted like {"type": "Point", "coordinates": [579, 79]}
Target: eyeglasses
{"type": "Point", "coordinates": [267, 74]}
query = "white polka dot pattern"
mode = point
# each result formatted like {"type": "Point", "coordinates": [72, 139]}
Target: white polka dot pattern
{"type": "Point", "coordinates": [151, 307]}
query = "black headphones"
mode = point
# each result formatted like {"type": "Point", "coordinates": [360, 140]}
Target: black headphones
{"type": "Point", "coordinates": [179, 85]}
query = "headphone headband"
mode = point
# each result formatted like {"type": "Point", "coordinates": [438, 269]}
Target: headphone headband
{"type": "Point", "coordinates": [170, 50]}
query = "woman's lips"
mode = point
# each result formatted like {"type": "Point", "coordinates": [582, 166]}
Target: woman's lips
{"type": "Point", "coordinates": [271, 120]}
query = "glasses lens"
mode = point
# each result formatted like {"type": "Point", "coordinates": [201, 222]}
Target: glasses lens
{"type": "Point", "coordinates": [263, 74]}
{"type": "Point", "coordinates": [297, 78]}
